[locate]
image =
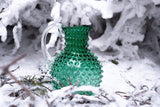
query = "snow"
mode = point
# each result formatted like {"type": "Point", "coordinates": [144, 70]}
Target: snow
{"type": "Point", "coordinates": [17, 33]}
{"type": "Point", "coordinates": [130, 78]}
{"type": "Point", "coordinates": [55, 12]}
{"type": "Point", "coordinates": [156, 1]}
{"type": "Point", "coordinates": [3, 32]}
{"type": "Point", "coordinates": [142, 73]}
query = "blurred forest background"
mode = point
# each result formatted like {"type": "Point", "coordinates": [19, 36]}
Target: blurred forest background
{"type": "Point", "coordinates": [125, 28]}
{"type": "Point", "coordinates": [125, 36]}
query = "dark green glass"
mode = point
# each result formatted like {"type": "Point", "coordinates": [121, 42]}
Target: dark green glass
{"type": "Point", "coordinates": [76, 63]}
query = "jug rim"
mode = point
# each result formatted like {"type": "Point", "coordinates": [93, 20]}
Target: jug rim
{"type": "Point", "coordinates": [65, 27]}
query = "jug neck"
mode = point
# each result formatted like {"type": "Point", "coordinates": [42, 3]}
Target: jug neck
{"type": "Point", "coordinates": [76, 38]}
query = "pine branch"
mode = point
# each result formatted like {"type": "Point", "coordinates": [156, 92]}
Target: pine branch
{"type": "Point", "coordinates": [6, 71]}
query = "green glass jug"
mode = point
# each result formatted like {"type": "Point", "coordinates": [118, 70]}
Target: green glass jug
{"type": "Point", "coordinates": [75, 63]}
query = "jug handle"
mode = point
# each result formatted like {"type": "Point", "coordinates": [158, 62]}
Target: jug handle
{"type": "Point", "coordinates": [45, 52]}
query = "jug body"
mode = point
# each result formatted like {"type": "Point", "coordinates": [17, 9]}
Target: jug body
{"type": "Point", "coordinates": [76, 63]}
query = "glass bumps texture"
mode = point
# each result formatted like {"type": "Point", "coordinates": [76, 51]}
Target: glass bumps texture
{"type": "Point", "coordinates": [76, 63]}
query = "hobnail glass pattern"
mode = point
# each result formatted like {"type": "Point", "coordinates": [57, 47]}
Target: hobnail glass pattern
{"type": "Point", "coordinates": [76, 63]}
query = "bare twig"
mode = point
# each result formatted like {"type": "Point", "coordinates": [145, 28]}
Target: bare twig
{"type": "Point", "coordinates": [107, 98]}
{"type": "Point", "coordinates": [142, 92]}
{"type": "Point", "coordinates": [6, 71]}
{"type": "Point", "coordinates": [129, 83]}
{"type": "Point", "coordinates": [15, 69]}
{"type": "Point", "coordinates": [1, 10]}
{"type": "Point", "coordinates": [73, 86]}
{"type": "Point", "coordinates": [47, 103]}
{"type": "Point", "coordinates": [5, 68]}
{"type": "Point", "coordinates": [54, 79]}
{"type": "Point", "coordinates": [76, 83]}
{"type": "Point", "coordinates": [36, 94]}
{"type": "Point", "coordinates": [47, 88]}
{"type": "Point", "coordinates": [69, 81]}
{"type": "Point", "coordinates": [15, 82]}
{"type": "Point", "coordinates": [19, 96]}
{"type": "Point", "coordinates": [122, 94]}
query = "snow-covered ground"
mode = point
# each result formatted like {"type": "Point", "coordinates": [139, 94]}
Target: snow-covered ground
{"type": "Point", "coordinates": [126, 82]}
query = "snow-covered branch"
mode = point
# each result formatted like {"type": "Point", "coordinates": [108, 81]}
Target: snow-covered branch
{"type": "Point", "coordinates": [118, 24]}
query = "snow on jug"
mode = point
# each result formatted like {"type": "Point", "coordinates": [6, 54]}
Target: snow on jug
{"type": "Point", "coordinates": [75, 63]}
